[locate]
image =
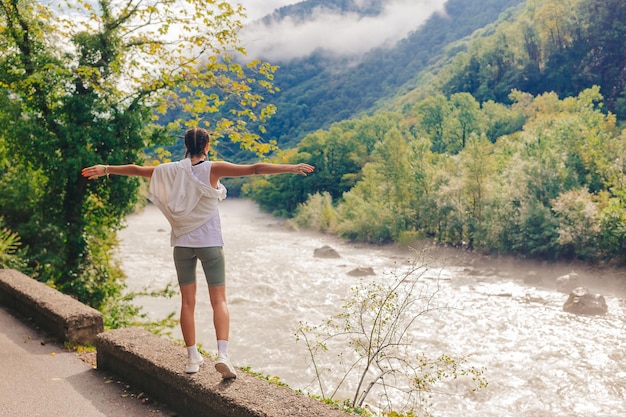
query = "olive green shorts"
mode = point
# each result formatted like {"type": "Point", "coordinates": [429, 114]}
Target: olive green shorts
{"type": "Point", "coordinates": [213, 264]}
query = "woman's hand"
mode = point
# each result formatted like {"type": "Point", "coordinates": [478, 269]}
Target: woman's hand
{"type": "Point", "coordinates": [95, 171]}
{"type": "Point", "coordinates": [302, 169]}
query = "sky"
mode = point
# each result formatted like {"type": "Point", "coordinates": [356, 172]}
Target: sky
{"type": "Point", "coordinates": [257, 9]}
{"type": "Point", "coordinates": [339, 34]}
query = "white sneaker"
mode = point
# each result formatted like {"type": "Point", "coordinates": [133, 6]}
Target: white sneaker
{"type": "Point", "coordinates": [224, 367]}
{"type": "Point", "coordinates": [193, 366]}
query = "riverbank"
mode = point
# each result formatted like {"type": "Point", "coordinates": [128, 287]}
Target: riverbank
{"type": "Point", "coordinates": [600, 278]}
{"type": "Point", "coordinates": [596, 277]}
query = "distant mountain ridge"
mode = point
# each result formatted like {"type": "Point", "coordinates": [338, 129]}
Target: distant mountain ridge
{"type": "Point", "coordinates": [303, 10]}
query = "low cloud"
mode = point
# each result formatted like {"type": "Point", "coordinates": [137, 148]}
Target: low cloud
{"type": "Point", "coordinates": [341, 34]}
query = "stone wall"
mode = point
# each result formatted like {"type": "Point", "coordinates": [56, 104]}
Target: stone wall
{"type": "Point", "coordinates": [58, 314]}
{"type": "Point", "coordinates": [154, 364]}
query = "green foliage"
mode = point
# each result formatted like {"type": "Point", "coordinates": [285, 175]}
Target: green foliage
{"type": "Point", "coordinates": [551, 187]}
{"type": "Point", "coordinates": [300, 11]}
{"type": "Point", "coordinates": [450, 123]}
{"type": "Point", "coordinates": [375, 324]}
{"type": "Point", "coordinates": [464, 199]}
{"type": "Point", "coordinates": [612, 237]}
{"type": "Point", "coordinates": [465, 120]}
{"type": "Point", "coordinates": [537, 234]}
{"type": "Point", "coordinates": [338, 156]}
{"type": "Point", "coordinates": [578, 218]}
{"type": "Point", "coordinates": [10, 257]}
{"type": "Point", "coordinates": [317, 213]}
{"type": "Point", "coordinates": [553, 45]}
{"type": "Point", "coordinates": [121, 311]}
{"type": "Point", "coordinates": [501, 120]}
{"type": "Point", "coordinates": [379, 207]}
{"type": "Point", "coordinates": [280, 194]}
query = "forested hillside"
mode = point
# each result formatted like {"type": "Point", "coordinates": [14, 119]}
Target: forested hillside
{"type": "Point", "coordinates": [564, 47]}
{"type": "Point", "coordinates": [515, 146]}
{"type": "Point", "coordinates": [324, 87]}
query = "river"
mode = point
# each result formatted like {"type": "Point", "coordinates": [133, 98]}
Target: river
{"type": "Point", "coordinates": [539, 361]}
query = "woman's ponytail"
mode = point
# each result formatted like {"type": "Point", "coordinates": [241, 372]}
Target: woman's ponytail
{"type": "Point", "coordinates": [196, 140]}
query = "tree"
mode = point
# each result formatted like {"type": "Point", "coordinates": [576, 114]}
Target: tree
{"type": "Point", "coordinates": [465, 119]}
{"type": "Point", "coordinates": [579, 227]}
{"type": "Point", "coordinates": [613, 228]}
{"type": "Point", "coordinates": [613, 203]}
{"type": "Point", "coordinates": [84, 84]}
{"type": "Point", "coordinates": [384, 203]}
{"type": "Point", "coordinates": [478, 168]}
{"type": "Point", "coordinates": [338, 154]}
{"type": "Point", "coordinates": [317, 213]}
{"type": "Point", "coordinates": [501, 120]}
{"type": "Point", "coordinates": [432, 113]}
{"type": "Point", "coordinates": [557, 22]}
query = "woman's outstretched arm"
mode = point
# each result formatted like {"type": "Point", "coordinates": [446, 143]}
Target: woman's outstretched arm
{"type": "Point", "coordinates": [226, 169]}
{"type": "Point", "coordinates": [131, 170]}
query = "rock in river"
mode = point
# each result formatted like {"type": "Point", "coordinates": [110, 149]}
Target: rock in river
{"type": "Point", "coordinates": [581, 301]}
{"type": "Point", "coordinates": [326, 252]}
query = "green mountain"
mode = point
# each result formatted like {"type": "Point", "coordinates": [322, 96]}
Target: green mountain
{"type": "Point", "coordinates": [322, 88]}
{"type": "Point", "coordinates": [484, 47]}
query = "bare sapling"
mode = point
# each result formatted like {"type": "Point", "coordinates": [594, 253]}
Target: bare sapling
{"type": "Point", "coordinates": [366, 352]}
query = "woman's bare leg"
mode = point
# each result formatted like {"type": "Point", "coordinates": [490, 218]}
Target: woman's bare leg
{"type": "Point", "coordinates": [221, 316]}
{"type": "Point", "coordinates": [187, 311]}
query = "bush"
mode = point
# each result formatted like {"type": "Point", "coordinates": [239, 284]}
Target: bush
{"type": "Point", "coordinates": [317, 213]}
{"type": "Point", "coordinates": [578, 225]}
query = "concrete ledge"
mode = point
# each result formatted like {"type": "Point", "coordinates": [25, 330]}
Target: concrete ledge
{"type": "Point", "coordinates": [156, 365]}
{"type": "Point", "coordinates": [58, 314]}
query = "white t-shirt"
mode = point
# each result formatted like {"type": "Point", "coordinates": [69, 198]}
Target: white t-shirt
{"type": "Point", "coordinates": [210, 233]}
{"type": "Point", "coordinates": [184, 194]}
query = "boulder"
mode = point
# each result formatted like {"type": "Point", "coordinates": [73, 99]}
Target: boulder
{"type": "Point", "coordinates": [362, 272]}
{"type": "Point", "coordinates": [566, 283]}
{"type": "Point", "coordinates": [326, 252]}
{"type": "Point", "coordinates": [581, 301]}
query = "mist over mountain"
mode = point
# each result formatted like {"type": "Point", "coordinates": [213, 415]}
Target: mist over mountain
{"type": "Point", "coordinates": [341, 27]}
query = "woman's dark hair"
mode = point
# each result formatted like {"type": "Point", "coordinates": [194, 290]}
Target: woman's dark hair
{"type": "Point", "coordinates": [196, 140]}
